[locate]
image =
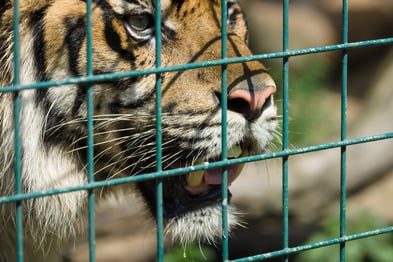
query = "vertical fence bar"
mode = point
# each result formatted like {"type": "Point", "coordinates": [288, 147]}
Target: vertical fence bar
{"type": "Point", "coordinates": [285, 142]}
{"type": "Point", "coordinates": [17, 142]}
{"type": "Point", "coordinates": [159, 185]}
{"type": "Point", "coordinates": [344, 78]}
{"type": "Point", "coordinates": [224, 106]}
{"type": "Point", "coordinates": [90, 134]}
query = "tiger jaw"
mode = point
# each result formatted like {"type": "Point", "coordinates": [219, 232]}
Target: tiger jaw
{"type": "Point", "coordinates": [197, 215]}
{"type": "Point", "coordinates": [193, 191]}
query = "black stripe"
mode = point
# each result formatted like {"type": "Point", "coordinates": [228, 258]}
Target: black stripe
{"type": "Point", "coordinates": [170, 107]}
{"type": "Point", "coordinates": [230, 4]}
{"type": "Point", "coordinates": [37, 24]}
{"type": "Point", "coordinates": [74, 38]}
{"type": "Point", "coordinates": [132, 1]}
{"type": "Point", "coordinates": [80, 99]}
{"type": "Point", "coordinates": [3, 7]}
{"type": "Point", "coordinates": [53, 116]}
{"type": "Point", "coordinates": [117, 104]}
{"type": "Point", "coordinates": [76, 33]}
{"type": "Point", "coordinates": [168, 34]}
{"type": "Point", "coordinates": [178, 4]}
{"type": "Point", "coordinates": [125, 83]}
{"type": "Point", "coordinates": [114, 42]}
{"type": "Point", "coordinates": [111, 36]}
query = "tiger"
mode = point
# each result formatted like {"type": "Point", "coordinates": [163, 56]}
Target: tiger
{"type": "Point", "coordinates": [53, 121]}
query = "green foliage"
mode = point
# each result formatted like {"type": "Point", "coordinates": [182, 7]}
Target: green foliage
{"type": "Point", "coordinates": [372, 249]}
{"type": "Point", "coordinates": [191, 253]}
{"type": "Point", "coordinates": [313, 111]}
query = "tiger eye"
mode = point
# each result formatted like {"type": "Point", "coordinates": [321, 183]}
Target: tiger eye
{"type": "Point", "coordinates": [139, 22]}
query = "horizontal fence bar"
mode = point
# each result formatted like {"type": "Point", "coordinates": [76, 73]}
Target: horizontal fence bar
{"type": "Point", "coordinates": [113, 76]}
{"type": "Point", "coordinates": [173, 172]}
{"type": "Point", "coordinates": [329, 242]}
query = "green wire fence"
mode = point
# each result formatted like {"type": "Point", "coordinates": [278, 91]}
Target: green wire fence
{"type": "Point", "coordinates": [284, 154]}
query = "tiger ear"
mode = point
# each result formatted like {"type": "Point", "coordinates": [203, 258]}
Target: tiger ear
{"type": "Point", "coordinates": [237, 20]}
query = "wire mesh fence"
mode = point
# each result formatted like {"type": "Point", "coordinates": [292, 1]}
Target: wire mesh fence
{"type": "Point", "coordinates": [285, 153]}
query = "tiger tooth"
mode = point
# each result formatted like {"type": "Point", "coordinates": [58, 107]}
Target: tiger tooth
{"type": "Point", "coordinates": [194, 179]}
{"type": "Point", "coordinates": [244, 153]}
{"type": "Point", "coordinates": [234, 151]}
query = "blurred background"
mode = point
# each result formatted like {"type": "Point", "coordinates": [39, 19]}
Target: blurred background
{"type": "Point", "coordinates": [126, 233]}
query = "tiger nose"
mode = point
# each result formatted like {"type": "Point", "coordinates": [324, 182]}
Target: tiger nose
{"type": "Point", "coordinates": [252, 99]}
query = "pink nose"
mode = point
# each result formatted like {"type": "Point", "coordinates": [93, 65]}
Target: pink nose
{"type": "Point", "coordinates": [251, 103]}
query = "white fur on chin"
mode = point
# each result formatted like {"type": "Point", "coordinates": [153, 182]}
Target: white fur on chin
{"type": "Point", "coordinates": [204, 224]}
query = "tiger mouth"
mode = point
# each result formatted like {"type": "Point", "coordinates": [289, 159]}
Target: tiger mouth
{"type": "Point", "coordinates": [199, 189]}
{"type": "Point", "coordinates": [192, 191]}
{"type": "Point", "coordinates": [199, 182]}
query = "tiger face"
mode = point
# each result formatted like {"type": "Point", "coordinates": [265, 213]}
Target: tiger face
{"type": "Point", "coordinates": [53, 120]}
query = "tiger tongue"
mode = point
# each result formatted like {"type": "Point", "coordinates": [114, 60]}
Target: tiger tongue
{"type": "Point", "coordinates": [214, 176]}
{"type": "Point", "coordinates": [198, 182]}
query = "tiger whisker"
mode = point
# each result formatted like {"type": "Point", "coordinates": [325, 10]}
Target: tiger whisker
{"type": "Point", "coordinates": [107, 140]}
{"type": "Point", "coordinates": [143, 156]}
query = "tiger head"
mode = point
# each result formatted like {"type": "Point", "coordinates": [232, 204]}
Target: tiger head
{"type": "Point", "coordinates": [53, 46]}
